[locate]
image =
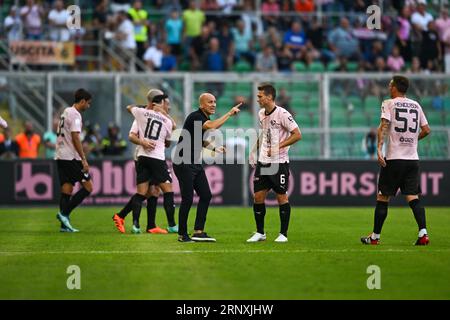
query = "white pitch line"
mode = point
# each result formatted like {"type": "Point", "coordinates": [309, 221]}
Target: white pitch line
{"type": "Point", "coordinates": [150, 252]}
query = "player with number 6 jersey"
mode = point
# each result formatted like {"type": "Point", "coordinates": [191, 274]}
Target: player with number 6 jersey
{"type": "Point", "coordinates": [279, 132]}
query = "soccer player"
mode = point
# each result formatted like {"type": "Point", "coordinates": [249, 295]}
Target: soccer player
{"type": "Point", "coordinates": [189, 169]}
{"type": "Point", "coordinates": [401, 119]}
{"type": "Point", "coordinates": [153, 190]}
{"type": "Point", "coordinates": [3, 123]}
{"type": "Point", "coordinates": [151, 164]}
{"type": "Point", "coordinates": [279, 131]}
{"type": "Point", "coordinates": [70, 159]}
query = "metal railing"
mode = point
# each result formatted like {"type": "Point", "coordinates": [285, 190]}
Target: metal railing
{"type": "Point", "coordinates": [311, 95]}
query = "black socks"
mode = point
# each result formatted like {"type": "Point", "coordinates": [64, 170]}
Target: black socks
{"type": "Point", "coordinates": [259, 210]}
{"type": "Point", "coordinates": [381, 211]}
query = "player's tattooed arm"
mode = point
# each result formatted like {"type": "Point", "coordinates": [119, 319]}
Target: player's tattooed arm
{"type": "Point", "coordinates": [382, 134]}
{"type": "Point", "coordinates": [424, 131]}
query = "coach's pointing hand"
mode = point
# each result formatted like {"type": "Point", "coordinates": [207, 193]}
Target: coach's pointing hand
{"type": "Point", "coordinates": [235, 110]}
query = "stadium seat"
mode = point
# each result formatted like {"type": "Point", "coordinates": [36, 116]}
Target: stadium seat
{"type": "Point", "coordinates": [316, 67]}
{"type": "Point", "coordinates": [299, 67]}
{"type": "Point", "coordinates": [245, 120]}
{"type": "Point", "coordinates": [242, 66]}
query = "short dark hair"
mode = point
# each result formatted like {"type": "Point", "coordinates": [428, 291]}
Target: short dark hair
{"type": "Point", "coordinates": [81, 94]}
{"type": "Point", "coordinates": [401, 83]}
{"type": "Point", "coordinates": [268, 89]}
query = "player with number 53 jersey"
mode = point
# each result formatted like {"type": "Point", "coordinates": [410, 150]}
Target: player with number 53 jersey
{"type": "Point", "coordinates": [403, 124]}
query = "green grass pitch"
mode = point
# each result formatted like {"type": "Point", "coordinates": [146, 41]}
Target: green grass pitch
{"type": "Point", "coordinates": [323, 259]}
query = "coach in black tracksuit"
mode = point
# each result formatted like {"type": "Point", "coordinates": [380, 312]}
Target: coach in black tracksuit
{"type": "Point", "coordinates": [188, 167]}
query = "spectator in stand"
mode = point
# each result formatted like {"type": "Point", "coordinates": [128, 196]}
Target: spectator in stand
{"type": "Point", "coordinates": [285, 21]}
{"type": "Point", "coordinates": [174, 31]}
{"type": "Point", "coordinates": [227, 6]}
{"type": "Point", "coordinates": [113, 144]}
{"type": "Point", "coordinates": [395, 61]}
{"type": "Point", "coordinates": [29, 142]}
{"type": "Point", "coordinates": [421, 18]}
{"type": "Point", "coordinates": [418, 87]}
{"type": "Point", "coordinates": [370, 143]}
{"type": "Point", "coordinates": [213, 60]}
{"type": "Point", "coordinates": [9, 149]}
{"type": "Point", "coordinates": [431, 48]}
{"type": "Point", "coordinates": [50, 140]}
{"type": "Point", "coordinates": [199, 45]}
{"type": "Point", "coordinates": [100, 18]}
{"type": "Point", "coordinates": [13, 25]}
{"type": "Point", "coordinates": [380, 65]}
{"type": "Point", "coordinates": [193, 20]}
{"type": "Point", "coordinates": [92, 141]}
{"type": "Point", "coordinates": [153, 57]}
{"type": "Point", "coordinates": [342, 42]}
{"type": "Point", "coordinates": [403, 33]}
{"type": "Point", "coordinates": [295, 39]}
{"type": "Point", "coordinates": [270, 10]}
{"type": "Point", "coordinates": [127, 42]}
{"type": "Point", "coordinates": [57, 19]}
{"type": "Point", "coordinates": [32, 15]}
{"type": "Point", "coordinates": [251, 20]}
{"type": "Point", "coordinates": [139, 17]}
{"type": "Point", "coordinates": [120, 5]}
{"type": "Point", "coordinates": [209, 5]}
{"type": "Point", "coordinates": [266, 60]}
{"type": "Point", "coordinates": [304, 6]}
{"type": "Point", "coordinates": [226, 43]}
{"type": "Point", "coordinates": [168, 61]}
{"type": "Point", "coordinates": [272, 36]}
{"type": "Point", "coordinates": [242, 43]}
{"type": "Point", "coordinates": [284, 100]}
{"type": "Point", "coordinates": [285, 59]}
{"type": "Point", "coordinates": [342, 65]}
{"type": "Point", "coordinates": [443, 29]}
{"type": "Point", "coordinates": [373, 54]}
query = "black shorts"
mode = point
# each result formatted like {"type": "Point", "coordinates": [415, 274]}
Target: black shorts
{"type": "Point", "coordinates": [278, 182]}
{"type": "Point", "coordinates": [403, 174]}
{"type": "Point", "coordinates": [71, 171]}
{"type": "Point", "coordinates": [151, 182]}
{"type": "Point", "coordinates": [152, 170]}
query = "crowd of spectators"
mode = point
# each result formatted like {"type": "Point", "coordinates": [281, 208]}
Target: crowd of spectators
{"type": "Point", "coordinates": [28, 144]}
{"type": "Point", "coordinates": [215, 35]}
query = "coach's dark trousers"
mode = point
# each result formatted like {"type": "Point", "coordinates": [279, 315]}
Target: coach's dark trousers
{"type": "Point", "coordinates": [192, 177]}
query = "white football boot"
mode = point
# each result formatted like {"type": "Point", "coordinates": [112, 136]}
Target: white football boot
{"type": "Point", "coordinates": [257, 237]}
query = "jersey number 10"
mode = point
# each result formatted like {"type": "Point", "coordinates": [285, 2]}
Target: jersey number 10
{"type": "Point", "coordinates": [153, 125]}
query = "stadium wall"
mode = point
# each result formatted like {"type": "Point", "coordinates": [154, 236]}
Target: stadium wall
{"type": "Point", "coordinates": [312, 183]}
